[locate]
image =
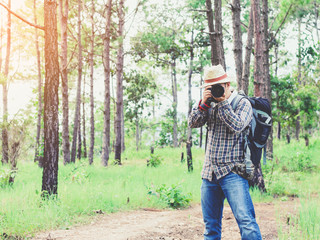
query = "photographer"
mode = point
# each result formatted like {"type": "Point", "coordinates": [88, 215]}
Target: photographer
{"type": "Point", "coordinates": [224, 150]}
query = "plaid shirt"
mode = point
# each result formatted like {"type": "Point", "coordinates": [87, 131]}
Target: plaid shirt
{"type": "Point", "coordinates": [225, 135]}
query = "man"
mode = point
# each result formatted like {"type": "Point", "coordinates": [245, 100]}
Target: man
{"type": "Point", "coordinates": [224, 150]}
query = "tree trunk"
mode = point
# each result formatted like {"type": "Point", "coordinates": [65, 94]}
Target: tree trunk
{"type": "Point", "coordinates": [78, 97]}
{"type": "Point", "coordinates": [5, 137]}
{"type": "Point", "coordinates": [299, 76]}
{"type": "Point", "coordinates": [137, 133]}
{"type": "Point", "coordinates": [316, 13]}
{"type": "Point", "coordinates": [79, 149]}
{"type": "Point", "coordinates": [175, 102]}
{"type": "Point", "coordinates": [123, 147]}
{"type": "Point", "coordinates": [265, 42]}
{"type": "Point", "coordinates": [64, 12]}
{"type": "Point", "coordinates": [258, 49]}
{"type": "Point", "coordinates": [279, 130]}
{"type": "Point", "coordinates": [91, 148]}
{"type": "Point", "coordinates": [189, 132]}
{"type": "Point", "coordinates": [201, 128]}
{"type": "Point", "coordinates": [237, 40]}
{"type": "Point", "coordinates": [258, 78]}
{"type": "Point", "coordinates": [266, 68]}
{"type": "Point", "coordinates": [91, 63]}
{"type": "Point", "coordinates": [247, 58]}
{"type": "Point", "coordinates": [51, 101]}
{"type": "Point", "coordinates": [306, 138]}
{"type": "Point", "coordinates": [84, 141]}
{"type": "Point", "coordinates": [213, 43]}
{"type": "Point", "coordinates": [119, 111]}
{"type": "Point", "coordinates": [106, 66]}
{"type": "Point", "coordinates": [288, 135]}
{"type": "Point", "coordinates": [219, 35]}
{"type": "Point", "coordinates": [37, 147]}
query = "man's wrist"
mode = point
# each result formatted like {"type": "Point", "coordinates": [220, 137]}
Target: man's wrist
{"type": "Point", "coordinates": [203, 106]}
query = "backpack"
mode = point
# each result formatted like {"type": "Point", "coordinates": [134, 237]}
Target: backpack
{"type": "Point", "coordinates": [259, 129]}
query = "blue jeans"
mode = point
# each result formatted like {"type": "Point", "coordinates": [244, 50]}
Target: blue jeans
{"type": "Point", "coordinates": [236, 190]}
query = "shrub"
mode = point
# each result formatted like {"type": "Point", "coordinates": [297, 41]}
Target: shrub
{"type": "Point", "coordinates": [6, 177]}
{"type": "Point", "coordinates": [172, 196]}
{"type": "Point", "coordinates": [78, 175]}
{"type": "Point", "coordinates": [301, 162]}
{"type": "Point", "coordinates": [154, 161]}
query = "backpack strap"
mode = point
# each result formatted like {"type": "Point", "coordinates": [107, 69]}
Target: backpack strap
{"type": "Point", "coordinates": [236, 100]}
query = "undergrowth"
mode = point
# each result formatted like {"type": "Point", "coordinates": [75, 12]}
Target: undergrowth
{"type": "Point", "coordinates": [84, 190]}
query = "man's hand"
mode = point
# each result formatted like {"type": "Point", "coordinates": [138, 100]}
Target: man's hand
{"type": "Point", "coordinates": [220, 99]}
{"type": "Point", "coordinates": [206, 94]}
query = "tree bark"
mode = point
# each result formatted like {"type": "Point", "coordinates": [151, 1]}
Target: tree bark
{"type": "Point", "coordinates": [64, 11]}
{"type": "Point", "coordinates": [91, 147]}
{"type": "Point", "coordinates": [266, 68]}
{"type": "Point", "coordinates": [189, 132]}
{"type": "Point", "coordinates": [40, 104]}
{"type": "Point", "coordinates": [265, 42]}
{"type": "Point", "coordinates": [78, 98]}
{"type": "Point", "coordinates": [84, 137]}
{"type": "Point", "coordinates": [5, 135]}
{"type": "Point", "coordinates": [237, 40]}
{"type": "Point", "coordinates": [51, 101]}
{"type": "Point", "coordinates": [299, 76]}
{"type": "Point", "coordinates": [119, 100]}
{"type": "Point", "coordinates": [201, 128]}
{"type": "Point", "coordinates": [137, 133]}
{"type": "Point", "coordinates": [316, 13]}
{"type": "Point", "coordinates": [175, 102]}
{"type": "Point", "coordinates": [258, 48]}
{"type": "Point", "coordinates": [247, 58]}
{"type": "Point", "coordinates": [106, 66]}
{"type": "Point", "coordinates": [219, 35]}
{"type": "Point", "coordinates": [213, 43]}
{"type": "Point", "coordinates": [79, 149]}
{"type": "Point", "coordinates": [258, 78]}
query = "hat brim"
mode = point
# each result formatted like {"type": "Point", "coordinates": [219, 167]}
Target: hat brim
{"type": "Point", "coordinates": [226, 80]}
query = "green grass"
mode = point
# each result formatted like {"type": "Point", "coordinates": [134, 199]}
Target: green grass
{"type": "Point", "coordinates": [297, 174]}
{"type": "Point", "coordinates": [83, 189]}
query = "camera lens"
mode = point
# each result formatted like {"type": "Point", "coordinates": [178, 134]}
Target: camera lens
{"type": "Point", "coordinates": [217, 91]}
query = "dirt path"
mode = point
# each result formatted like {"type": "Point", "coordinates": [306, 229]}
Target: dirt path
{"type": "Point", "coordinates": [148, 224]}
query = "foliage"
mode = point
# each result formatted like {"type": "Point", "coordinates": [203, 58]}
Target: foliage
{"type": "Point", "coordinates": [78, 174]}
{"type": "Point", "coordinates": [138, 92]}
{"type": "Point", "coordinates": [171, 195]}
{"type": "Point", "coordinates": [308, 105]}
{"type": "Point", "coordinates": [154, 160]}
{"type": "Point", "coordinates": [23, 212]}
{"type": "Point", "coordinates": [5, 177]}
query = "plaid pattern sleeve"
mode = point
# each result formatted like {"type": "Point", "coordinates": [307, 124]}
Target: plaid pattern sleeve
{"type": "Point", "coordinates": [226, 131]}
{"type": "Point", "coordinates": [236, 121]}
{"type": "Point", "coordinates": [197, 118]}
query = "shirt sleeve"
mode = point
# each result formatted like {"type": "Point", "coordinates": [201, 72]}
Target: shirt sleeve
{"type": "Point", "coordinates": [236, 120]}
{"type": "Point", "coordinates": [197, 118]}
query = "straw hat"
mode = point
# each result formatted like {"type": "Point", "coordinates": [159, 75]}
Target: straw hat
{"type": "Point", "coordinates": [215, 75]}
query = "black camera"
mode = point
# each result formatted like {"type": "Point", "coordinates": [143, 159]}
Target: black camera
{"type": "Point", "coordinates": [217, 91]}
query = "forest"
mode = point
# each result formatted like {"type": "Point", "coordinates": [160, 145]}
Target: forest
{"type": "Point", "coordinates": [100, 123]}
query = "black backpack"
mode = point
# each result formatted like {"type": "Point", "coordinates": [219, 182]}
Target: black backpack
{"type": "Point", "coordinates": [260, 126]}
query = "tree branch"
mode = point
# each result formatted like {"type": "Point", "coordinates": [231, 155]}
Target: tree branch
{"type": "Point", "coordinates": [198, 10]}
{"type": "Point", "coordinates": [283, 20]}
{"type": "Point", "coordinates": [21, 18]}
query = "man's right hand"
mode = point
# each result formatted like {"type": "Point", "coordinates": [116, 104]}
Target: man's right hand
{"type": "Point", "coordinates": [206, 94]}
